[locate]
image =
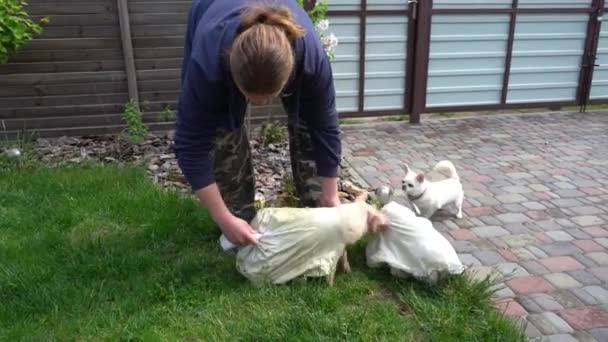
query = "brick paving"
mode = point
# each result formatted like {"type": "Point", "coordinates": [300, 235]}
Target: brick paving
{"type": "Point", "coordinates": [536, 207]}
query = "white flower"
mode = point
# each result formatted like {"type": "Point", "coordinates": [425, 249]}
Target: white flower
{"type": "Point", "coordinates": [322, 25]}
{"type": "Point", "coordinates": [332, 41]}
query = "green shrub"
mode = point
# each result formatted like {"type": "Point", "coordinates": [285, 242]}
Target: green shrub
{"type": "Point", "coordinates": [136, 128]}
{"type": "Point", "coordinates": [16, 27]}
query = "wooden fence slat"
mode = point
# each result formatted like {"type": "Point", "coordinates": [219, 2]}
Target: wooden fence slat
{"type": "Point", "coordinates": [34, 112]}
{"type": "Point", "coordinates": [79, 19]}
{"type": "Point", "coordinates": [162, 85]}
{"type": "Point", "coordinates": [62, 78]}
{"type": "Point", "coordinates": [59, 8]}
{"type": "Point", "coordinates": [159, 19]}
{"type": "Point", "coordinates": [66, 32]}
{"type": "Point", "coordinates": [61, 67]}
{"type": "Point", "coordinates": [65, 89]}
{"type": "Point", "coordinates": [155, 64]}
{"type": "Point", "coordinates": [148, 75]}
{"type": "Point", "coordinates": [152, 42]}
{"type": "Point", "coordinates": [71, 100]}
{"type": "Point", "coordinates": [74, 43]}
{"type": "Point", "coordinates": [140, 31]}
{"type": "Point", "coordinates": [159, 52]}
{"type": "Point", "coordinates": [66, 55]}
{"type": "Point", "coordinates": [160, 7]}
{"type": "Point", "coordinates": [74, 121]}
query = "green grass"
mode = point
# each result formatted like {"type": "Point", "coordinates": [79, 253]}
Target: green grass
{"type": "Point", "coordinates": [98, 253]}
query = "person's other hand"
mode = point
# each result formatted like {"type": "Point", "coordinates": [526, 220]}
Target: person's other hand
{"type": "Point", "coordinates": [238, 231]}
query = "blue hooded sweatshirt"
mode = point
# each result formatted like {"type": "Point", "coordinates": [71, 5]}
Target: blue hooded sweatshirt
{"type": "Point", "coordinates": [210, 101]}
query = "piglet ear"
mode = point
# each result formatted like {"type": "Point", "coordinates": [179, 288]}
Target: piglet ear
{"type": "Point", "coordinates": [406, 168]}
{"type": "Point", "coordinates": [420, 178]}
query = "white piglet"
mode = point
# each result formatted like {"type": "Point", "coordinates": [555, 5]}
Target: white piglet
{"type": "Point", "coordinates": [427, 197]}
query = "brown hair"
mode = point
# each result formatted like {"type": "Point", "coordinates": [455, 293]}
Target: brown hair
{"type": "Point", "coordinates": [261, 57]}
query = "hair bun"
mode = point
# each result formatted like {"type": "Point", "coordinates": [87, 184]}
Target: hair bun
{"type": "Point", "coordinates": [280, 17]}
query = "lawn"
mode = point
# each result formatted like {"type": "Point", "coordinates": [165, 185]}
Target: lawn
{"type": "Point", "coordinates": [99, 253]}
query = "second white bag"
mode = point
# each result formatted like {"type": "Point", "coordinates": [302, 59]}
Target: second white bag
{"type": "Point", "coordinates": [411, 246]}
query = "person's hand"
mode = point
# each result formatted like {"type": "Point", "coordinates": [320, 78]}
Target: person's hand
{"type": "Point", "coordinates": [238, 231]}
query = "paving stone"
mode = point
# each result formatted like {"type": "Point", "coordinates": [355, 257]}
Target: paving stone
{"type": "Point", "coordinates": [539, 253]}
{"type": "Point", "coordinates": [515, 208]}
{"type": "Point", "coordinates": [522, 254]}
{"type": "Point", "coordinates": [600, 258]}
{"type": "Point", "coordinates": [588, 245]}
{"type": "Point", "coordinates": [587, 220]}
{"type": "Point", "coordinates": [530, 284]}
{"type": "Point", "coordinates": [562, 338]}
{"type": "Point", "coordinates": [584, 277]}
{"type": "Point", "coordinates": [546, 302]}
{"type": "Point", "coordinates": [578, 234]}
{"type": "Point", "coordinates": [534, 205]}
{"type": "Point", "coordinates": [566, 223]}
{"type": "Point", "coordinates": [489, 257]}
{"type": "Point", "coordinates": [490, 231]}
{"type": "Point", "coordinates": [511, 198]}
{"type": "Point", "coordinates": [462, 234]}
{"type": "Point", "coordinates": [519, 240]}
{"type": "Point", "coordinates": [464, 246]}
{"type": "Point", "coordinates": [489, 220]}
{"type": "Point", "coordinates": [532, 332]}
{"type": "Point", "coordinates": [504, 292]}
{"type": "Point", "coordinates": [549, 323]}
{"type": "Point", "coordinates": [561, 264]}
{"type": "Point", "coordinates": [511, 308]}
{"type": "Point", "coordinates": [538, 187]}
{"type": "Point", "coordinates": [568, 193]}
{"type": "Point", "coordinates": [484, 244]}
{"type": "Point", "coordinates": [587, 210]}
{"type": "Point", "coordinates": [599, 293]}
{"type": "Point", "coordinates": [530, 304]}
{"type": "Point", "coordinates": [584, 296]}
{"type": "Point", "coordinates": [567, 299]}
{"type": "Point", "coordinates": [603, 242]}
{"type": "Point", "coordinates": [517, 228]}
{"type": "Point", "coordinates": [585, 318]}
{"type": "Point", "coordinates": [480, 211]}
{"type": "Point", "coordinates": [596, 232]}
{"type": "Point", "coordinates": [560, 249]}
{"type": "Point", "coordinates": [558, 235]}
{"type": "Point", "coordinates": [511, 270]}
{"type": "Point", "coordinates": [583, 336]}
{"type": "Point", "coordinates": [562, 281]}
{"type": "Point", "coordinates": [517, 189]}
{"type": "Point", "coordinates": [566, 202]}
{"type": "Point", "coordinates": [534, 267]}
{"type": "Point", "coordinates": [600, 334]}
{"type": "Point", "coordinates": [584, 260]}
{"type": "Point", "coordinates": [468, 260]}
{"type": "Point", "coordinates": [513, 218]}
{"type": "Point", "coordinates": [506, 254]}
{"type": "Point", "coordinates": [549, 224]}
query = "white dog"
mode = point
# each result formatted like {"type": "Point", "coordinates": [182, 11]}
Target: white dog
{"type": "Point", "coordinates": [428, 197]}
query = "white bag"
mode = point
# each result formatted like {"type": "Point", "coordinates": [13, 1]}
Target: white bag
{"type": "Point", "coordinates": [412, 246]}
{"type": "Point", "coordinates": [293, 242]}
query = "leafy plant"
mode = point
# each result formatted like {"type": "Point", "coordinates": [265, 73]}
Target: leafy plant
{"type": "Point", "coordinates": [16, 27]}
{"type": "Point", "coordinates": [136, 128]}
{"type": "Point", "coordinates": [167, 114]}
{"type": "Point", "coordinates": [318, 16]}
{"type": "Point", "coordinates": [288, 196]}
{"type": "Point", "coordinates": [272, 133]}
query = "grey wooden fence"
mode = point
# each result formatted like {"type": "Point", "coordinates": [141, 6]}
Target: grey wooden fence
{"type": "Point", "coordinates": [74, 78]}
